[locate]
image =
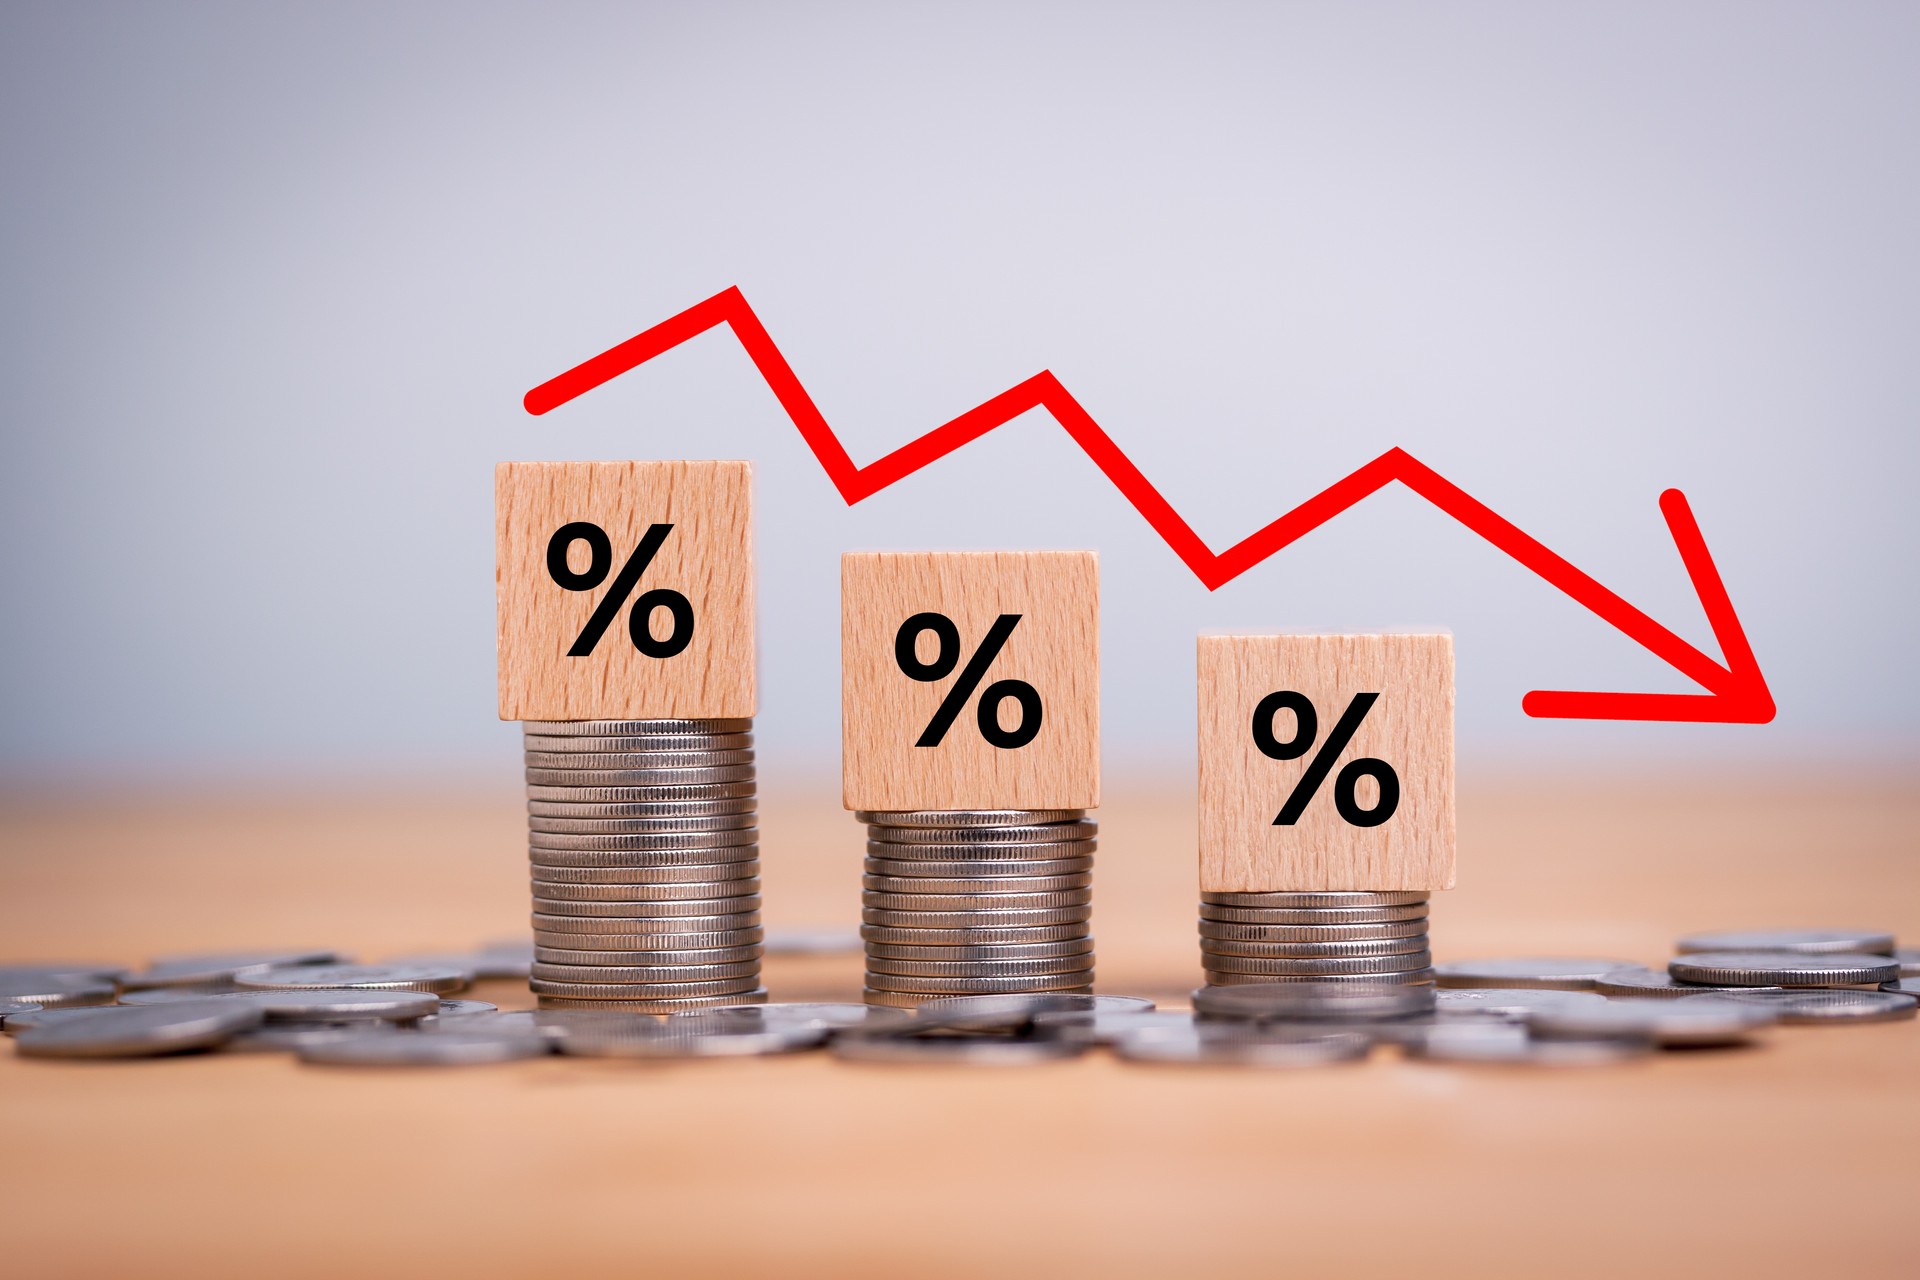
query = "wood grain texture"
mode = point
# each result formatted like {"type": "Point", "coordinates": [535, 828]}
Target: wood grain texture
{"type": "Point", "coordinates": [1242, 791]}
{"type": "Point", "coordinates": [1055, 647]}
{"type": "Point", "coordinates": [708, 557]}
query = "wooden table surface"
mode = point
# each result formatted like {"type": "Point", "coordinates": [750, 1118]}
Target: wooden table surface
{"type": "Point", "coordinates": [1795, 1158]}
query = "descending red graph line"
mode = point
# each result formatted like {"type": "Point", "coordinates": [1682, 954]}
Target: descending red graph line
{"type": "Point", "coordinates": [1735, 691]}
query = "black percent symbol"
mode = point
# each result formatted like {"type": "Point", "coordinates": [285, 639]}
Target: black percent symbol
{"type": "Point", "coordinates": [946, 657]}
{"type": "Point", "coordinates": [599, 565]}
{"type": "Point", "coordinates": [1306, 727]}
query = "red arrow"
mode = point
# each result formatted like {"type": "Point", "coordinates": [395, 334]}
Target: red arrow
{"type": "Point", "coordinates": [1735, 692]}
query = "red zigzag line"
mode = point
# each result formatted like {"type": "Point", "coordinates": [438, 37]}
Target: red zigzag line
{"type": "Point", "coordinates": [1736, 691]}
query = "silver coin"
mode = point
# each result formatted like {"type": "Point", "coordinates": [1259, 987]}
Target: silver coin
{"type": "Point", "coordinates": [972, 1051]}
{"type": "Point", "coordinates": [1095, 1026]}
{"type": "Point", "coordinates": [908, 869]}
{"type": "Point", "coordinates": [1313, 1001]}
{"type": "Point", "coordinates": [462, 1048]}
{"type": "Point", "coordinates": [1643, 983]}
{"type": "Point", "coordinates": [1799, 941]}
{"type": "Point", "coordinates": [505, 959]}
{"type": "Point", "coordinates": [544, 742]}
{"type": "Point", "coordinates": [57, 991]}
{"type": "Point", "coordinates": [21, 1022]}
{"type": "Point", "coordinates": [1415, 945]}
{"type": "Point", "coordinates": [659, 793]}
{"type": "Point", "coordinates": [648, 761]}
{"type": "Point", "coordinates": [1484, 1041]}
{"type": "Point", "coordinates": [1216, 930]}
{"type": "Point", "coordinates": [883, 884]}
{"type": "Point", "coordinates": [1909, 958]}
{"type": "Point", "coordinates": [140, 1031]}
{"type": "Point", "coordinates": [1038, 982]}
{"type": "Point", "coordinates": [1513, 1004]}
{"type": "Point", "coordinates": [609, 810]}
{"type": "Point", "coordinates": [202, 970]}
{"type": "Point", "coordinates": [541, 777]}
{"type": "Point", "coordinates": [1783, 968]}
{"type": "Point", "coordinates": [1014, 951]}
{"type": "Point", "coordinates": [1565, 973]}
{"type": "Point", "coordinates": [548, 910]}
{"type": "Point", "coordinates": [828, 1017]}
{"type": "Point", "coordinates": [1318, 900]}
{"type": "Point", "coordinates": [659, 840]}
{"type": "Point", "coordinates": [1809, 1006]}
{"type": "Point", "coordinates": [372, 977]}
{"type": "Point", "coordinates": [641, 728]}
{"type": "Point", "coordinates": [707, 955]}
{"type": "Point", "coordinates": [562, 1004]}
{"type": "Point", "coordinates": [700, 891]}
{"type": "Point", "coordinates": [967, 817]}
{"type": "Point", "coordinates": [983, 936]}
{"type": "Point", "coordinates": [1013, 1012]}
{"type": "Point", "coordinates": [705, 872]}
{"type": "Point", "coordinates": [448, 1010]}
{"type": "Point", "coordinates": [16, 1008]}
{"type": "Point", "coordinates": [693, 940]}
{"type": "Point", "coordinates": [1312, 916]}
{"type": "Point", "coordinates": [291, 1037]}
{"type": "Point", "coordinates": [990, 857]}
{"type": "Point", "coordinates": [711, 972]}
{"type": "Point", "coordinates": [812, 942]}
{"type": "Point", "coordinates": [460, 963]}
{"type": "Point", "coordinates": [1397, 977]}
{"type": "Point", "coordinates": [985, 900]}
{"type": "Point", "coordinates": [980, 968]}
{"type": "Point", "coordinates": [643, 990]}
{"type": "Point", "coordinates": [978, 918]}
{"type": "Point", "coordinates": [643, 826]}
{"type": "Point", "coordinates": [1904, 986]}
{"type": "Point", "coordinates": [1240, 1046]}
{"type": "Point", "coordinates": [345, 1004]}
{"type": "Point", "coordinates": [553, 924]}
{"type": "Point", "coordinates": [1318, 967]}
{"type": "Point", "coordinates": [640, 859]}
{"type": "Point", "coordinates": [11, 974]}
{"type": "Point", "coordinates": [1036, 834]}
{"type": "Point", "coordinates": [1694, 1021]}
{"type": "Point", "coordinates": [676, 1038]}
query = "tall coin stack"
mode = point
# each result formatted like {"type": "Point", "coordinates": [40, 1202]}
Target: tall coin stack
{"type": "Point", "coordinates": [644, 843]}
{"type": "Point", "coordinates": [1315, 937]}
{"type": "Point", "coordinates": [977, 902]}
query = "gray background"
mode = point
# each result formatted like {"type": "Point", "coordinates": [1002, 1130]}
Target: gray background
{"type": "Point", "coordinates": [274, 279]}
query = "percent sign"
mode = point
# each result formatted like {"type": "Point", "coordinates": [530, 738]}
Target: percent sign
{"type": "Point", "coordinates": [946, 657]}
{"type": "Point", "coordinates": [599, 564]}
{"type": "Point", "coordinates": [1345, 787]}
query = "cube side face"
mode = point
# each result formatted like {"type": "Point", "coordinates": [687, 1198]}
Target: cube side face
{"type": "Point", "coordinates": [707, 557]}
{"type": "Point", "coordinates": [1055, 647]}
{"type": "Point", "coordinates": [1409, 727]}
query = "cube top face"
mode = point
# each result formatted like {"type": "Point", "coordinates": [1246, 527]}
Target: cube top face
{"type": "Point", "coordinates": [583, 548]}
{"type": "Point", "coordinates": [929, 639]}
{"type": "Point", "coordinates": [1284, 805]}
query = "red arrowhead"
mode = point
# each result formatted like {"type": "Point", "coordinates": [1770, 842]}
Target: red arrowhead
{"type": "Point", "coordinates": [1735, 692]}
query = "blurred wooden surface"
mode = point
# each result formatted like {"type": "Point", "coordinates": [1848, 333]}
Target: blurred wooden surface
{"type": "Point", "coordinates": [1797, 1158]}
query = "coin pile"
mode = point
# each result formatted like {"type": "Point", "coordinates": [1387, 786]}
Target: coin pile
{"type": "Point", "coordinates": [644, 845]}
{"type": "Point", "coordinates": [976, 902]}
{"type": "Point", "coordinates": [1315, 937]}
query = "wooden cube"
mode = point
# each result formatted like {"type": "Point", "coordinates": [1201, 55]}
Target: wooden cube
{"type": "Point", "coordinates": [1275, 813]}
{"type": "Point", "coordinates": [570, 539]}
{"type": "Point", "coordinates": [915, 628]}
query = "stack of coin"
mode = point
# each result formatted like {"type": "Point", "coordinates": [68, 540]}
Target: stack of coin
{"type": "Point", "coordinates": [976, 902]}
{"type": "Point", "coordinates": [645, 848]}
{"type": "Point", "coordinates": [1315, 937]}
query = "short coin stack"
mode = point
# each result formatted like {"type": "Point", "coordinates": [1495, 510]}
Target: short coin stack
{"type": "Point", "coordinates": [644, 842]}
{"type": "Point", "coordinates": [977, 902]}
{"type": "Point", "coordinates": [1370, 937]}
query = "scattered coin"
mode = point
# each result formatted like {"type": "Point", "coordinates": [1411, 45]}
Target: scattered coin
{"type": "Point", "coordinates": [456, 1009]}
{"type": "Point", "coordinates": [291, 1037]}
{"type": "Point", "coordinates": [1313, 1001]}
{"type": "Point", "coordinates": [13, 973]}
{"type": "Point", "coordinates": [140, 1031]}
{"type": "Point", "coordinates": [1567, 974]}
{"type": "Point", "coordinates": [1909, 958]}
{"type": "Point", "coordinates": [958, 1050]}
{"type": "Point", "coordinates": [1643, 983]}
{"type": "Point", "coordinates": [1240, 1046]}
{"type": "Point", "coordinates": [682, 1037]}
{"type": "Point", "coordinates": [15, 1008]}
{"type": "Point", "coordinates": [1478, 1041]}
{"type": "Point", "coordinates": [1011, 1012]}
{"type": "Point", "coordinates": [344, 1004]}
{"type": "Point", "coordinates": [388, 977]}
{"type": "Point", "coordinates": [1782, 968]}
{"type": "Point", "coordinates": [829, 1017]}
{"type": "Point", "coordinates": [1104, 1026]}
{"type": "Point", "coordinates": [204, 970]}
{"type": "Point", "coordinates": [1905, 986]}
{"type": "Point", "coordinates": [57, 991]}
{"type": "Point", "coordinates": [1799, 941]}
{"type": "Point", "coordinates": [438, 1049]}
{"type": "Point", "coordinates": [1510, 1003]}
{"type": "Point", "coordinates": [1693, 1021]}
{"type": "Point", "coordinates": [1809, 1006]}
